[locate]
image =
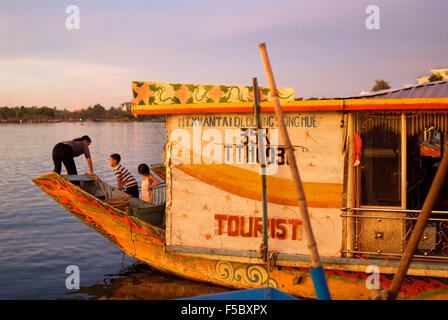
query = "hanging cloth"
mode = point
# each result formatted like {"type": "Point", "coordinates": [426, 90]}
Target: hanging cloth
{"type": "Point", "coordinates": [357, 150]}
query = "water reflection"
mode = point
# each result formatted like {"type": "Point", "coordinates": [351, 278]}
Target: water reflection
{"type": "Point", "coordinates": [140, 281]}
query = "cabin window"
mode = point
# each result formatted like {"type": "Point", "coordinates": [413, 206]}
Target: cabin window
{"type": "Point", "coordinates": [425, 148]}
{"type": "Point", "coordinates": [386, 147]}
{"type": "Point", "coordinates": [379, 168]}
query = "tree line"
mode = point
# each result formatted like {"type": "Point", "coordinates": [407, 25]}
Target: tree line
{"type": "Point", "coordinates": [95, 113]}
{"type": "Point", "coordinates": [381, 84]}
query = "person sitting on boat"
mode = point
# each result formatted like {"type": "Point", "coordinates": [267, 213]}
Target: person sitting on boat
{"type": "Point", "coordinates": [125, 180]}
{"type": "Point", "coordinates": [148, 182]}
{"type": "Point", "coordinates": [64, 152]}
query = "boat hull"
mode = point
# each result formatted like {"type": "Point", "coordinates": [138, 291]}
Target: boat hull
{"type": "Point", "coordinates": [147, 243]}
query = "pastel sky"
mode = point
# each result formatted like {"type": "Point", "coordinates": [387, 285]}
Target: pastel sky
{"type": "Point", "coordinates": [319, 47]}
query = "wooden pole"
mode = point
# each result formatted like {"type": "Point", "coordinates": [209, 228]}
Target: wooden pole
{"type": "Point", "coordinates": [262, 159]}
{"type": "Point", "coordinates": [404, 152]}
{"type": "Point", "coordinates": [419, 228]}
{"type": "Point", "coordinates": [350, 185]}
{"type": "Point", "coordinates": [312, 246]}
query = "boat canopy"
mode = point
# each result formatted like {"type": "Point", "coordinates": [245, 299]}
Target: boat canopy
{"type": "Point", "coordinates": [170, 98]}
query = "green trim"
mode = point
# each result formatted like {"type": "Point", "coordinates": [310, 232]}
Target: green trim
{"type": "Point", "coordinates": [429, 294]}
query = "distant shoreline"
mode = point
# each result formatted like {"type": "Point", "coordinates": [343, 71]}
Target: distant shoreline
{"type": "Point", "coordinates": [97, 113]}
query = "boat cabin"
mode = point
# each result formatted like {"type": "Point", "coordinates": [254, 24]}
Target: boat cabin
{"type": "Point", "coordinates": [366, 164]}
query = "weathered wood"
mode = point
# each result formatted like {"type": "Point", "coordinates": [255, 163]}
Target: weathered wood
{"type": "Point", "coordinates": [201, 191]}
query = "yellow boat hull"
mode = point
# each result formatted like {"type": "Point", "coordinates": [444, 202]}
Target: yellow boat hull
{"type": "Point", "coordinates": [147, 244]}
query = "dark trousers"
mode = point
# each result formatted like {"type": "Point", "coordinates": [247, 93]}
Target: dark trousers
{"type": "Point", "coordinates": [63, 153]}
{"type": "Point", "coordinates": [133, 191]}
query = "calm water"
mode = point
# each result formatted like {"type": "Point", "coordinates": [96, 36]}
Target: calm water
{"type": "Point", "coordinates": [39, 239]}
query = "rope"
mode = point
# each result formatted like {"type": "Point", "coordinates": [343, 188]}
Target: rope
{"type": "Point", "coordinates": [121, 203]}
{"type": "Point", "coordinates": [97, 182]}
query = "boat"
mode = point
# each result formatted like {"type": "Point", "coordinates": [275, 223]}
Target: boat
{"type": "Point", "coordinates": [264, 293]}
{"type": "Point", "coordinates": [79, 193]}
{"type": "Point", "coordinates": [362, 172]}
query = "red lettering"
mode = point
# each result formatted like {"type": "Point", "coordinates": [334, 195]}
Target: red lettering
{"type": "Point", "coordinates": [258, 228]}
{"type": "Point", "coordinates": [272, 224]}
{"type": "Point", "coordinates": [233, 226]}
{"type": "Point", "coordinates": [221, 218]}
{"type": "Point", "coordinates": [251, 227]}
{"type": "Point", "coordinates": [279, 223]}
{"type": "Point", "coordinates": [244, 226]}
{"type": "Point", "coordinates": [296, 230]}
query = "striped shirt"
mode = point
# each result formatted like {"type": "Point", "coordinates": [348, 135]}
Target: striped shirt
{"type": "Point", "coordinates": [127, 179]}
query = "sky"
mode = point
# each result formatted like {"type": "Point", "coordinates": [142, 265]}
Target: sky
{"type": "Point", "coordinates": [321, 48]}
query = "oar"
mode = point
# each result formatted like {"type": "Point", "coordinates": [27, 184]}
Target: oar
{"type": "Point", "coordinates": [419, 228]}
{"type": "Point", "coordinates": [317, 271]}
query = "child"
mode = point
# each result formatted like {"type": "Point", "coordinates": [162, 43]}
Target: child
{"type": "Point", "coordinates": [125, 180]}
{"type": "Point", "coordinates": [148, 182]}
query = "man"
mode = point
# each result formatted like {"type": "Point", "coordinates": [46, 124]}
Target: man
{"type": "Point", "coordinates": [125, 180]}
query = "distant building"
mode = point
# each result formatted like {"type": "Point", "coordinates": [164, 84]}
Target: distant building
{"type": "Point", "coordinates": [441, 72]}
{"type": "Point", "coordinates": [126, 106]}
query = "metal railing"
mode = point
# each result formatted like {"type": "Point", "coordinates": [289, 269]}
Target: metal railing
{"type": "Point", "coordinates": [159, 194]}
{"type": "Point", "coordinates": [385, 232]}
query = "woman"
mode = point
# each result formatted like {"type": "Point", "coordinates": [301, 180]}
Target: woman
{"type": "Point", "coordinates": [148, 182]}
{"type": "Point", "coordinates": [64, 152]}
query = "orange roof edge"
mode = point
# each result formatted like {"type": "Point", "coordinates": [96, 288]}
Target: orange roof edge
{"type": "Point", "coordinates": [411, 104]}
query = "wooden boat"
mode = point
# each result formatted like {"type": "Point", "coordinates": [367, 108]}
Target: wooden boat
{"type": "Point", "coordinates": [97, 191]}
{"type": "Point", "coordinates": [213, 210]}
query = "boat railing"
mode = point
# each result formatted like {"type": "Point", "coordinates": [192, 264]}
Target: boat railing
{"type": "Point", "coordinates": [384, 232]}
{"type": "Point", "coordinates": [159, 194]}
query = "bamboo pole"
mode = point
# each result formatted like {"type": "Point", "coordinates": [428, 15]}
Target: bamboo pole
{"type": "Point", "coordinates": [319, 281]}
{"type": "Point", "coordinates": [419, 228]}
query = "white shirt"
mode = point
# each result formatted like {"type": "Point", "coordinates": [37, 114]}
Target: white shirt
{"type": "Point", "coordinates": [146, 194]}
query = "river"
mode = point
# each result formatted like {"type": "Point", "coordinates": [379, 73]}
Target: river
{"type": "Point", "coordinates": [39, 239]}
